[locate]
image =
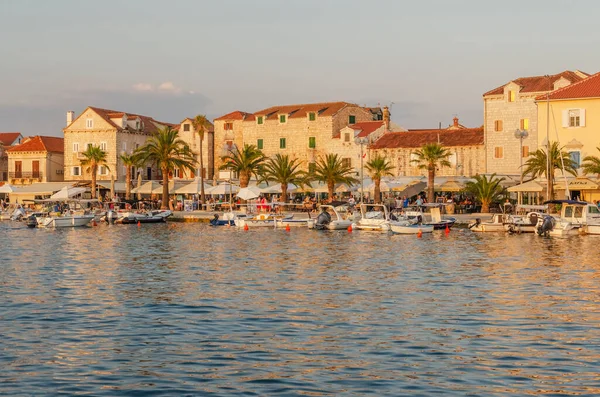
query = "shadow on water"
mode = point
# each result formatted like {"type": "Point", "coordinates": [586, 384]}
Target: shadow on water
{"type": "Point", "coordinates": [189, 309]}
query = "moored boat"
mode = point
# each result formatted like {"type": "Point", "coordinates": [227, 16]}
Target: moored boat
{"type": "Point", "coordinates": [374, 217]}
{"type": "Point", "coordinates": [329, 219]}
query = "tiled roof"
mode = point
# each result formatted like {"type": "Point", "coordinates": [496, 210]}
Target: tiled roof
{"type": "Point", "coordinates": [417, 138]}
{"type": "Point", "coordinates": [149, 124]}
{"type": "Point", "coordinates": [7, 138]}
{"type": "Point", "coordinates": [40, 144]}
{"type": "Point", "coordinates": [588, 88]}
{"type": "Point", "coordinates": [211, 126]}
{"type": "Point", "coordinates": [538, 83]}
{"type": "Point", "coordinates": [367, 127]}
{"type": "Point", "coordinates": [299, 111]}
{"type": "Point", "coordinates": [236, 115]}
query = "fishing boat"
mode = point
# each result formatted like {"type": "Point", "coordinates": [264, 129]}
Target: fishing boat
{"type": "Point", "coordinates": [374, 217]}
{"type": "Point", "coordinates": [329, 219]}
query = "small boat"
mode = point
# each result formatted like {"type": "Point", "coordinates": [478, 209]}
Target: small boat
{"type": "Point", "coordinates": [226, 219]}
{"type": "Point", "coordinates": [432, 218]}
{"type": "Point", "coordinates": [291, 221]}
{"type": "Point", "coordinates": [260, 220]}
{"type": "Point", "coordinates": [527, 223]}
{"type": "Point", "coordinates": [408, 227]}
{"type": "Point", "coordinates": [496, 224]}
{"type": "Point", "coordinates": [575, 217]}
{"type": "Point", "coordinates": [62, 220]}
{"type": "Point", "coordinates": [130, 218]}
{"type": "Point", "coordinates": [329, 219]}
{"type": "Point", "coordinates": [374, 217]}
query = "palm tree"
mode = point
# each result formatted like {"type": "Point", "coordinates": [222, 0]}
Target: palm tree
{"type": "Point", "coordinates": [591, 165]}
{"type": "Point", "coordinates": [284, 171]}
{"type": "Point", "coordinates": [129, 161]}
{"type": "Point", "coordinates": [378, 167]}
{"type": "Point", "coordinates": [168, 152]}
{"type": "Point", "coordinates": [429, 157]}
{"type": "Point", "coordinates": [200, 122]}
{"type": "Point", "coordinates": [245, 163]}
{"type": "Point", "coordinates": [536, 165]}
{"type": "Point", "coordinates": [94, 157]}
{"type": "Point", "coordinates": [485, 190]}
{"type": "Point", "coordinates": [331, 170]}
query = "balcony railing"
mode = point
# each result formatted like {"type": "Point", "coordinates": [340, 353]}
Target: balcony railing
{"type": "Point", "coordinates": [25, 175]}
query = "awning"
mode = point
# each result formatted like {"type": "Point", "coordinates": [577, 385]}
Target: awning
{"type": "Point", "coordinates": [450, 186]}
{"type": "Point", "coordinates": [531, 186]}
{"type": "Point", "coordinates": [411, 189]}
{"type": "Point", "coordinates": [581, 183]}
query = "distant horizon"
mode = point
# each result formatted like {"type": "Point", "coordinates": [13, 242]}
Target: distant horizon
{"type": "Point", "coordinates": [433, 60]}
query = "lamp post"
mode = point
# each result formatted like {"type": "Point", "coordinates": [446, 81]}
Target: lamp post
{"type": "Point", "coordinates": [520, 135]}
{"type": "Point", "coordinates": [361, 141]}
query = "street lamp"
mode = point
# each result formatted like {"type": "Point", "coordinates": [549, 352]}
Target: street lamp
{"type": "Point", "coordinates": [520, 135]}
{"type": "Point", "coordinates": [361, 141]}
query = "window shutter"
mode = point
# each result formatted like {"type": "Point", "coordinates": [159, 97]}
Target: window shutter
{"type": "Point", "coordinates": [565, 118]}
{"type": "Point", "coordinates": [582, 117]}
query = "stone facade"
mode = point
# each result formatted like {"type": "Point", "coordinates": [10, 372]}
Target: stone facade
{"type": "Point", "coordinates": [510, 108]}
{"type": "Point", "coordinates": [7, 139]}
{"type": "Point", "coordinates": [305, 132]}
{"type": "Point", "coordinates": [188, 134]}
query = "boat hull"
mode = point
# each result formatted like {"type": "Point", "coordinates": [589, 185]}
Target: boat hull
{"type": "Point", "coordinates": [65, 221]}
{"type": "Point", "coordinates": [411, 229]}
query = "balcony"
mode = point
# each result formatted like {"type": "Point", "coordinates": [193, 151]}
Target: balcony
{"type": "Point", "coordinates": [25, 175]}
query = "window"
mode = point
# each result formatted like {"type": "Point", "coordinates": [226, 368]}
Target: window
{"type": "Point", "coordinates": [347, 137]}
{"type": "Point", "coordinates": [351, 119]}
{"type": "Point", "coordinates": [124, 146]}
{"type": "Point", "coordinates": [259, 120]}
{"type": "Point", "coordinates": [137, 125]}
{"type": "Point", "coordinates": [76, 171]}
{"type": "Point", "coordinates": [103, 146]}
{"type": "Point", "coordinates": [575, 158]}
{"type": "Point", "coordinates": [498, 152]}
{"type": "Point", "coordinates": [498, 125]}
{"type": "Point", "coordinates": [75, 147]}
{"type": "Point", "coordinates": [574, 118]}
{"type": "Point", "coordinates": [312, 116]}
{"type": "Point", "coordinates": [186, 127]}
{"type": "Point", "coordinates": [282, 118]}
{"type": "Point", "coordinates": [347, 162]}
{"type": "Point", "coordinates": [312, 142]}
{"type": "Point", "coordinates": [228, 126]}
{"type": "Point", "coordinates": [102, 170]}
{"type": "Point", "coordinates": [259, 144]}
{"type": "Point", "coordinates": [511, 96]}
{"type": "Point", "coordinates": [524, 124]}
{"type": "Point", "coordinates": [525, 152]}
{"type": "Point", "coordinates": [281, 143]}
{"type": "Point", "coordinates": [89, 123]}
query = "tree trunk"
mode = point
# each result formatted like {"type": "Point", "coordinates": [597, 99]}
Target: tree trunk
{"type": "Point", "coordinates": [128, 183]}
{"type": "Point", "coordinates": [244, 178]}
{"type": "Point", "coordinates": [330, 189]}
{"type": "Point", "coordinates": [202, 196]}
{"type": "Point", "coordinates": [377, 190]}
{"type": "Point", "coordinates": [430, 183]}
{"type": "Point", "coordinates": [485, 206]}
{"type": "Point", "coordinates": [94, 169]}
{"type": "Point", "coordinates": [165, 193]}
{"type": "Point", "coordinates": [283, 198]}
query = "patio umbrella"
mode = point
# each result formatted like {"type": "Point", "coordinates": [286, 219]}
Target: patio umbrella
{"type": "Point", "coordinates": [223, 188]}
{"type": "Point", "coordinates": [139, 185]}
{"type": "Point", "coordinates": [291, 188]}
{"type": "Point", "coordinates": [450, 186]}
{"type": "Point", "coordinates": [531, 186]}
{"type": "Point", "coordinates": [410, 189]}
{"type": "Point", "coordinates": [67, 193]}
{"type": "Point", "coordinates": [249, 193]}
{"type": "Point", "coordinates": [8, 188]}
{"type": "Point", "coordinates": [192, 188]}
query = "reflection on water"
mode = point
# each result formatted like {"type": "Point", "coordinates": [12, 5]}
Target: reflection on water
{"type": "Point", "coordinates": [175, 309]}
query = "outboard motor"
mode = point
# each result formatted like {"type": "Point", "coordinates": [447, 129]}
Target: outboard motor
{"type": "Point", "coordinates": [546, 226]}
{"type": "Point", "coordinates": [110, 216]}
{"type": "Point", "coordinates": [32, 221]}
{"type": "Point", "coordinates": [215, 221]}
{"type": "Point", "coordinates": [322, 220]}
{"type": "Point", "coordinates": [476, 223]}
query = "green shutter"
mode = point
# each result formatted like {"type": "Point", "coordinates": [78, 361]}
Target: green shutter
{"type": "Point", "coordinates": [282, 118]}
{"type": "Point", "coordinates": [259, 144]}
{"type": "Point", "coordinates": [312, 143]}
{"type": "Point", "coordinates": [281, 143]}
{"type": "Point", "coordinates": [352, 120]}
{"type": "Point", "coordinates": [260, 120]}
{"type": "Point", "coordinates": [311, 116]}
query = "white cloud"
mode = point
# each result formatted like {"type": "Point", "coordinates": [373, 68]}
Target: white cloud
{"type": "Point", "coordinates": [169, 86]}
{"type": "Point", "coordinates": [143, 87]}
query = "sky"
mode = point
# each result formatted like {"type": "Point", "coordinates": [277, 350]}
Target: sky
{"type": "Point", "coordinates": [430, 60]}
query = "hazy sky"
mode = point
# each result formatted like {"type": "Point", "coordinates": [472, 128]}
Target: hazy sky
{"type": "Point", "coordinates": [177, 58]}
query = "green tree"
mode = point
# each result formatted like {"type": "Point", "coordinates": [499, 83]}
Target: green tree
{"type": "Point", "coordinates": [168, 151]}
{"type": "Point", "coordinates": [536, 165]}
{"type": "Point", "coordinates": [378, 167]}
{"type": "Point", "coordinates": [245, 163]}
{"type": "Point", "coordinates": [429, 157]}
{"type": "Point", "coordinates": [591, 165]}
{"type": "Point", "coordinates": [284, 171]}
{"type": "Point", "coordinates": [331, 170]}
{"type": "Point", "coordinates": [129, 161]}
{"type": "Point", "coordinates": [94, 157]}
{"type": "Point", "coordinates": [200, 124]}
{"type": "Point", "coordinates": [485, 190]}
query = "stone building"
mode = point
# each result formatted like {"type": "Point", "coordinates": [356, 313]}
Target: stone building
{"type": "Point", "coordinates": [190, 135]}
{"type": "Point", "coordinates": [465, 144]}
{"type": "Point", "coordinates": [512, 107]}
{"type": "Point", "coordinates": [36, 159]}
{"type": "Point", "coordinates": [7, 139]}
{"type": "Point", "coordinates": [304, 131]}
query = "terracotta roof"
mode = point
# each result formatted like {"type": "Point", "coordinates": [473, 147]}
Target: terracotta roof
{"type": "Point", "coordinates": [538, 83]}
{"type": "Point", "coordinates": [367, 127]}
{"type": "Point", "coordinates": [299, 111]}
{"type": "Point", "coordinates": [40, 144]}
{"type": "Point", "coordinates": [148, 123]}
{"type": "Point", "coordinates": [235, 115]}
{"type": "Point", "coordinates": [116, 115]}
{"type": "Point", "coordinates": [588, 88]}
{"type": "Point", "coordinates": [7, 138]}
{"type": "Point", "coordinates": [417, 138]}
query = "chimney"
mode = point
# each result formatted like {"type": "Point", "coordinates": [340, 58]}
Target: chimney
{"type": "Point", "coordinates": [70, 115]}
{"type": "Point", "coordinates": [386, 117]}
{"type": "Point", "coordinates": [455, 119]}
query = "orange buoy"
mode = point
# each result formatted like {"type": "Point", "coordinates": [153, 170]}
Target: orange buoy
{"type": "Point", "coordinates": [287, 228]}
{"type": "Point", "coordinates": [94, 223]}
{"type": "Point", "coordinates": [246, 227]}
{"type": "Point", "coordinates": [139, 223]}
{"type": "Point", "coordinates": [420, 233]}
{"type": "Point", "coordinates": [350, 229]}
{"type": "Point", "coordinates": [447, 229]}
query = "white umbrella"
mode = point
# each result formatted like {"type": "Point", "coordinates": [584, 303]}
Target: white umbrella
{"type": "Point", "coordinates": [249, 193]}
{"type": "Point", "coordinates": [147, 188]}
{"type": "Point", "coordinates": [8, 188]}
{"type": "Point", "coordinates": [192, 188]}
{"type": "Point", "coordinates": [223, 188]}
{"type": "Point", "coordinates": [67, 193]}
{"type": "Point", "coordinates": [291, 188]}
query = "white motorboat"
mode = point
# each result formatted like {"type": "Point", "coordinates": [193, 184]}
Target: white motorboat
{"type": "Point", "coordinates": [496, 224]}
{"type": "Point", "coordinates": [374, 217]}
{"type": "Point", "coordinates": [432, 218]}
{"type": "Point", "coordinates": [291, 221]}
{"type": "Point", "coordinates": [63, 220]}
{"type": "Point", "coordinates": [260, 220]}
{"type": "Point", "coordinates": [528, 222]}
{"type": "Point", "coordinates": [408, 227]}
{"type": "Point", "coordinates": [575, 217]}
{"type": "Point", "coordinates": [329, 219]}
